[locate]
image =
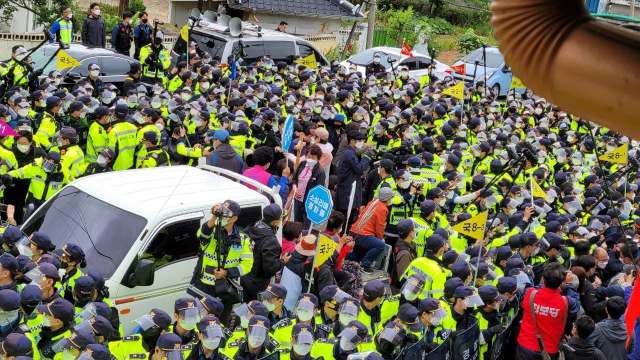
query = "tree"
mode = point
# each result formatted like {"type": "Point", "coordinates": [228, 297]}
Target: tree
{"type": "Point", "coordinates": [396, 22]}
{"type": "Point", "coordinates": [46, 11]}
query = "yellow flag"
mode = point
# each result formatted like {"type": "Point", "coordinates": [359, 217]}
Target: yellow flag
{"type": "Point", "coordinates": [617, 155]}
{"type": "Point", "coordinates": [516, 83]}
{"type": "Point", "coordinates": [473, 227]}
{"type": "Point", "coordinates": [65, 60]}
{"type": "Point", "coordinates": [456, 91]}
{"type": "Point", "coordinates": [326, 247]}
{"type": "Point", "coordinates": [537, 189]}
{"type": "Point", "coordinates": [184, 32]}
{"type": "Point", "coordinates": [308, 61]}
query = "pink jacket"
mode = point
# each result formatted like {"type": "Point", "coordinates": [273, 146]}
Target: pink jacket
{"type": "Point", "coordinates": [257, 173]}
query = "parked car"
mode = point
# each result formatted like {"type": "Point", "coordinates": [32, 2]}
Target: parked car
{"type": "Point", "coordinates": [498, 76]}
{"type": "Point", "coordinates": [418, 65]}
{"type": "Point", "coordinates": [113, 67]}
{"type": "Point", "coordinates": [218, 41]}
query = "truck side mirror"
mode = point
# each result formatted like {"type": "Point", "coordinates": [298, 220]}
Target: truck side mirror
{"type": "Point", "coordinates": [144, 273]}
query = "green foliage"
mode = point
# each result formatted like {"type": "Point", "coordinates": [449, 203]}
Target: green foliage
{"type": "Point", "coordinates": [465, 18]}
{"type": "Point", "coordinates": [396, 22]}
{"type": "Point", "coordinates": [136, 6]}
{"type": "Point", "coordinates": [46, 11]}
{"type": "Point", "coordinates": [439, 26]}
{"type": "Point", "coordinates": [469, 41]}
{"type": "Point", "coordinates": [335, 53]}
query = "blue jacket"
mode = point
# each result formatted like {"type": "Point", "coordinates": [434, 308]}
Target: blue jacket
{"type": "Point", "coordinates": [350, 169]}
{"type": "Point", "coordinates": [54, 31]}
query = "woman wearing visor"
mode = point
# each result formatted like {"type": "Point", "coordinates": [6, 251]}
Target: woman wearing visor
{"type": "Point", "coordinates": [210, 336]}
{"type": "Point", "coordinates": [69, 348]}
{"type": "Point", "coordinates": [71, 258]}
{"type": "Point", "coordinates": [463, 313]}
{"type": "Point", "coordinates": [305, 311]}
{"type": "Point", "coordinates": [302, 340]}
{"type": "Point", "coordinates": [354, 335]}
{"type": "Point", "coordinates": [99, 327]}
{"type": "Point", "coordinates": [255, 342]}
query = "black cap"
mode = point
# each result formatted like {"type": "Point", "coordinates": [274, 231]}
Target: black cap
{"type": "Point", "coordinates": [405, 227]}
{"type": "Point", "coordinates": [40, 239]}
{"type": "Point", "coordinates": [100, 352]}
{"type": "Point", "coordinates": [31, 295]}
{"type": "Point", "coordinates": [102, 111]}
{"type": "Point", "coordinates": [230, 208]}
{"type": "Point", "coordinates": [451, 285]}
{"type": "Point", "coordinates": [463, 292]}
{"type": "Point", "coordinates": [507, 284]}
{"type": "Point", "coordinates": [271, 213]}
{"type": "Point", "coordinates": [9, 262]}
{"type": "Point", "coordinates": [429, 304]}
{"type": "Point", "coordinates": [489, 294]}
{"type": "Point", "coordinates": [277, 291]}
{"type": "Point", "coordinates": [409, 315]}
{"type": "Point", "coordinates": [74, 251]}
{"type": "Point", "coordinates": [84, 285]}
{"type": "Point", "coordinates": [373, 290]}
{"type": "Point", "coordinates": [16, 344]}
{"type": "Point", "coordinates": [60, 309]}
{"type": "Point", "coordinates": [151, 136]}
{"type": "Point", "coordinates": [9, 300]}
{"type": "Point", "coordinates": [212, 305]}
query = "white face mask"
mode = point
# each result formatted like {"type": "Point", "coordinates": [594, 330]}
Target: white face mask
{"type": "Point", "coordinates": [256, 341]}
{"type": "Point", "coordinates": [211, 344]}
{"type": "Point", "coordinates": [269, 305]}
{"type": "Point", "coordinates": [186, 96]}
{"type": "Point", "coordinates": [23, 148]}
{"type": "Point", "coordinates": [304, 315]}
{"type": "Point", "coordinates": [95, 73]}
{"type": "Point", "coordinates": [346, 318]}
{"type": "Point", "coordinates": [23, 112]}
{"type": "Point", "coordinates": [244, 322]}
{"type": "Point", "coordinates": [311, 162]}
{"type": "Point", "coordinates": [359, 145]}
{"type": "Point", "coordinates": [301, 349]}
{"type": "Point", "coordinates": [97, 12]}
{"type": "Point", "coordinates": [20, 57]}
{"type": "Point", "coordinates": [205, 85]}
{"type": "Point", "coordinates": [410, 296]}
{"type": "Point", "coordinates": [346, 345]}
{"type": "Point", "coordinates": [404, 185]}
{"type": "Point", "coordinates": [159, 126]}
{"type": "Point", "coordinates": [101, 160]}
{"type": "Point", "coordinates": [602, 265]}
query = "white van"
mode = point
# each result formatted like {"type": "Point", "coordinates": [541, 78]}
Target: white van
{"type": "Point", "coordinates": [128, 221]}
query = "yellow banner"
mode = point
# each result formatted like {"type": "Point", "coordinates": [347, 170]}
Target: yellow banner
{"type": "Point", "coordinates": [456, 91]}
{"type": "Point", "coordinates": [184, 32]}
{"type": "Point", "coordinates": [326, 247]}
{"type": "Point", "coordinates": [473, 227]}
{"type": "Point", "coordinates": [516, 83]}
{"type": "Point", "coordinates": [65, 60]}
{"type": "Point", "coordinates": [617, 155]}
{"type": "Point", "coordinates": [308, 61]}
{"type": "Point", "coordinates": [537, 189]}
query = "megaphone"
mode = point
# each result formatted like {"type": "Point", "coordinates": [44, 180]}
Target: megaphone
{"type": "Point", "coordinates": [235, 27]}
{"type": "Point", "coordinates": [224, 20]}
{"type": "Point", "coordinates": [210, 16]}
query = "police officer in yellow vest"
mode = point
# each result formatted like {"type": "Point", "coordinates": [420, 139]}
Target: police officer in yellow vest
{"type": "Point", "coordinates": [411, 290]}
{"type": "Point", "coordinates": [156, 60]}
{"type": "Point", "coordinates": [302, 340]}
{"type": "Point", "coordinates": [256, 341]}
{"type": "Point", "coordinates": [62, 28]}
{"type": "Point", "coordinates": [59, 314]}
{"type": "Point", "coordinates": [30, 297]}
{"type": "Point", "coordinates": [167, 347]}
{"type": "Point", "coordinates": [388, 341]}
{"type": "Point", "coordinates": [431, 266]}
{"type": "Point", "coordinates": [186, 315]}
{"type": "Point", "coordinates": [152, 326]}
{"type": "Point", "coordinates": [122, 139]}
{"type": "Point", "coordinates": [305, 309]}
{"type": "Point", "coordinates": [210, 336]}
{"type": "Point", "coordinates": [75, 344]}
{"type": "Point", "coordinates": [432, 313]}
{"type": "Point", "coordinates": [72, 156]}
{"type": "Point", "coordinates": [235, 252]}
{"type": "Point", "coordinates": [489, 318]}
{"type": "Point", "coordinates": [374, 292]}
{"type": "Point", "coordinates": [349, 341]}
{"type": "Point", "coordinates": [16, 72]}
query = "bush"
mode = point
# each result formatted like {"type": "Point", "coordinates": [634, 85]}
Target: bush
{"type": "Point", "coordinates": [469, 41]}
{"type": "Point", "coordinates": [136, 6]}
{"type": "Point", "coordinates": [335, 52]}
{"type": "Point", "coordinates": [439, 26]}
{"type": "Point", "coordinates": [465, 18]}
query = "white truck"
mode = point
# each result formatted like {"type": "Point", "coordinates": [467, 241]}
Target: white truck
{"type": "Point", "coordinates": [138, 227]}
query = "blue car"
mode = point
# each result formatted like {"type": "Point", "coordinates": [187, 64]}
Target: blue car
{"type": "Point", "coordinates": [498, 76]}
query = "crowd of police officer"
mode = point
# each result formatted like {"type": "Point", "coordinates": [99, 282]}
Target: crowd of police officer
{"type": "Point", "coordinates": [432, 159]}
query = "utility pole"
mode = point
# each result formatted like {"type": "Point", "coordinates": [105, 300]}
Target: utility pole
{"type": "Point", "coordinates": [632, 8]}
{"type": "Point", "coordinates": [371, 23]}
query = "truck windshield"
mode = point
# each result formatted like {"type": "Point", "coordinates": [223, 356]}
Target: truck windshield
{"type": "Point", "coordinates": [105, 232]}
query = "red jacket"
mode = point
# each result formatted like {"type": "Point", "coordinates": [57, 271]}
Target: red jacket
{"type": "Point", "coordinates": [376, 223]}
{"type": "Point", "coordinates": [551, 315]}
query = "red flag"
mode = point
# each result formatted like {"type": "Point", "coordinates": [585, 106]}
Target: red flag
{"type": "Point", "coordinates": [6, 130]}
{"type": "Point", "coordinates": [460, 69]}
{"type": "Point", "coordinates": [406, 50]}
{"type": "Point", "coordinates": [633, 310]}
